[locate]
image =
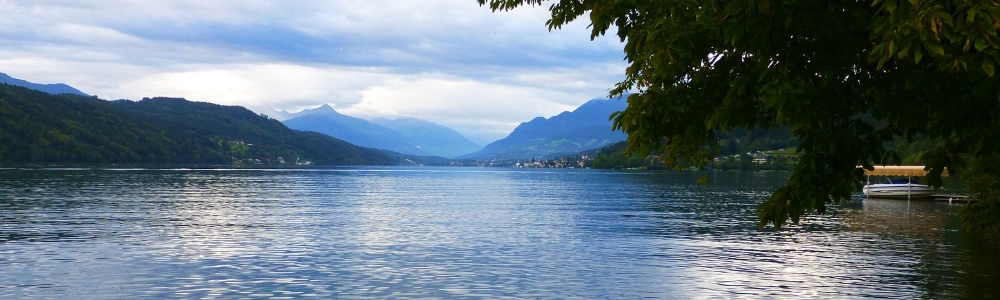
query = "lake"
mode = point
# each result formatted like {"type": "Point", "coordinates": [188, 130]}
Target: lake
{"type": "Point", "coordinates": [462, 233]}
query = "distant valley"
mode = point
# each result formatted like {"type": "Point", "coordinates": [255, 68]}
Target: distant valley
{"type": "Point", "coordinates": [436, 139]}
{"type": "Point", "coordinates": [408, 136]}
{"type": "Point", "coordinates": [568, 133]}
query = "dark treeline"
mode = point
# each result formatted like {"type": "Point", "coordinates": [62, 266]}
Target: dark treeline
{"type": "Point", "coordinates": [735, 147]}
{"type": "Point", "coordinates": [36, 127]}
{"type": "Point", "coordinates": [738, 147]}
{"type": "Point", "coordinates": [742, 140]}
{"type": "Point", "coordinates": [613, 157]}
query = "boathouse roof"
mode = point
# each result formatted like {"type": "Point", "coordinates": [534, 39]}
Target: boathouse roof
{"type": "Point", "coordinates": [917, 171]}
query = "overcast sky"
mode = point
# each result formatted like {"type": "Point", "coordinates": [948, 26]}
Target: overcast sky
{"type": "Point", "coordinates": [447, 61]}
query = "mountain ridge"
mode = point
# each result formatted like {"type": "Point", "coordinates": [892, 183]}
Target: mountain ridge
{"type": "Point", "coordinates": [326, 120]}
{"type": "Point", "coordinates": [37, 127]}
{"type": "Point", "coordinates": [431, 137]}
{"type": "Point", "coordinates": [586, 127]}
{"type": "Point", "coordinates": [52, 88]}
{"type": "Point", "coordinates": [405, 135]}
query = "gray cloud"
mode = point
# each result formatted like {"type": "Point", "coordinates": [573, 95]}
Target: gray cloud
{"type": "Point", "coordinates": [448, 61]}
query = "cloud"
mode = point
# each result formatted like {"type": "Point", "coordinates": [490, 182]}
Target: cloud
{"type": "Point", "coordinates": [448, 61]}
{"type": "Point", "coordinates": [437, 97]}
{"type": "Point", "coordinates": [484, 109]}
{"type": "Point", "coordinates": [409, 35]}
{"type": "Point", "coordinates": [279, 86]}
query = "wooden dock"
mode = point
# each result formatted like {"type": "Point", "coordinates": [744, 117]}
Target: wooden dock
{"type": "Point", "coordinates": [953, 199]}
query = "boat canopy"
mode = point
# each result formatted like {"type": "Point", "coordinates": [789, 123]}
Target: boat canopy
{"type": "Point", "coordinates": [917, 171]}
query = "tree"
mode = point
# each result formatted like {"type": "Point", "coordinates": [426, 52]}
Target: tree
{"type": "Point", "coordinates": [825, 69]}
{"type": "Point", "coordinates": [983, 217]}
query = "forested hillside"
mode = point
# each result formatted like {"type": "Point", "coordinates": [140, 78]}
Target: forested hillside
{"type": "Point", "coordinates": [742, 140]}
{"type": "Point", "coordinates": [586, 127]}
{"type": "Point", "coordinates": [36, 127]}
{"type": "Point", "coordinates": [613, 157]}
{"type": "Point", "coordinates": [738, 142]}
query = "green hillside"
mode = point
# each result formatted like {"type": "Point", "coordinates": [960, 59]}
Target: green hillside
{"type": "Point", "coordinates": [36, 127]}
{"type": "Point", "coordinates": [735, 149]}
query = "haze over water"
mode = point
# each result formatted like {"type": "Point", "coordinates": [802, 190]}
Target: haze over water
{"type": "Point", "coordinates": [461, 232]}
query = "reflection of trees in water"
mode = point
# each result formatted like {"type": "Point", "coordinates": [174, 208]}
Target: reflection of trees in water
{"type": "Point", "coordinates": [929, 234]}
{"type": "Point", "coordinates": [918, 218]}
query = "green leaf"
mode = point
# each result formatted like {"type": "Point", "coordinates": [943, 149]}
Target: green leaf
{"type": "Point", "coordinates": [980, 44]}
{"type": "Point", "coordinates": [906, 50]}
{"type": "Point", "coordinates": [935, 48]}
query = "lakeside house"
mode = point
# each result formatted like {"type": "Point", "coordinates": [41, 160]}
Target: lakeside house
{"type": "Point", "coordinates": [760, 158]}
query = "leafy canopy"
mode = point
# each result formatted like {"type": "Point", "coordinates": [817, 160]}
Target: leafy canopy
{"type": "Point", "coordinates": [825, 69]}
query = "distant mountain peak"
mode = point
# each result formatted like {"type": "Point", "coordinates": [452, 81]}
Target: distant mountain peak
{"type": "Point", "coordinates": [586, 127]}
{"type": "Point", "coordinates": [55, 88]}
{"type": "Point", "coordinates": [325, 106]}
{"type": "Point", "coordinates": [324, 109]}
{"type": "Point", "coordinates": [326, 120]}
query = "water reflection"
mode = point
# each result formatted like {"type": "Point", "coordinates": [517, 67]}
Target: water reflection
{"type": "Point", "coordinates": [456, 233]}
{"type": "Point", "coordinates": [914, 219]}
{"type": "Point", "coordinates": [925, 244]}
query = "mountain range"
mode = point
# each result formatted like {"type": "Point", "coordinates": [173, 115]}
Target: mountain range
{"type": "Point", "coordinates": [169, 130]}
{"type": "Point", "coordinates": [55, 88]}
{"type": "Point", "coordinates": [37, 127]}
{"type": "Point", "coordinates": [431, 137]}
{"type": "Point", "coordinates": [585, 128]}
{"type": "Point", "coordinates": [328, 121]}
{"type": "Point", "coordinates": [407, 136]}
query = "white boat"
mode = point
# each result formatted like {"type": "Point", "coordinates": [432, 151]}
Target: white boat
{"type": "Point", "coordinates": [898, 189]}
{"type": "Point", "coordinates": [908, 188]}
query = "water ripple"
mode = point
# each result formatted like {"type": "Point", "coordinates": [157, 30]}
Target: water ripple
{"type": "Point", "coordinates": [459, 233]}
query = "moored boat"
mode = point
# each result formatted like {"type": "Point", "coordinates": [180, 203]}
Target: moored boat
{"type": "Point", "coordinates": [901, 188]}
{"type": "Point", "coordinates": [907, 188]}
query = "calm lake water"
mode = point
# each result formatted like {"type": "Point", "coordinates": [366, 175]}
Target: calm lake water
{"type": "Point", "coordinates": [462, 233]}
